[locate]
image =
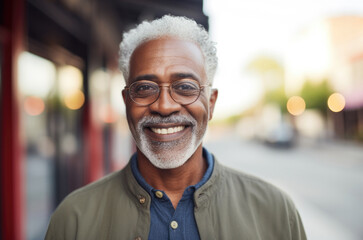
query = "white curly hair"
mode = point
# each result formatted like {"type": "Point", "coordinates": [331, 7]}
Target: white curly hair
{"type": "Point", "coordinates": [174, 26]}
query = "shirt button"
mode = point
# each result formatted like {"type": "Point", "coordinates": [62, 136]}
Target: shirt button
{"type": "Point", "coordinates": [174, 224]}
{"type": "Point", "coordinates": [142, 200]}
{"type": "Point", "coordinates": [159, 194]}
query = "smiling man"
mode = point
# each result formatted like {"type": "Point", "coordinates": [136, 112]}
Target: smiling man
{"type": "Point", "coordinates": [173, 188]}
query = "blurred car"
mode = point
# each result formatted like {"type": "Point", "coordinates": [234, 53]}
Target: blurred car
{"type": "Point", "coordinates": [283, 135]}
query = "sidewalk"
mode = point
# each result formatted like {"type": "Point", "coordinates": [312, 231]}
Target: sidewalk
{"type": "Point", "coordinates": [318, 225]}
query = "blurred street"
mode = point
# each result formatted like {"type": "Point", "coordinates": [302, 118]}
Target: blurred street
{"type": "Point", "coordinates": [324, 178]}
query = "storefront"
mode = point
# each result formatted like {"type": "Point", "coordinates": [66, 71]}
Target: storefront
{"type": "Point", "coordinates": [62, 116]}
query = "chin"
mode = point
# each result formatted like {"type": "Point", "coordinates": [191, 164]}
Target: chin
{"type": "Point", "coordinates": [168, 155]}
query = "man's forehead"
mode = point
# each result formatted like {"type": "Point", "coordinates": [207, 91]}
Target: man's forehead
{"type": "Point", "coordinates": [169, 47]}
{"type": "Point", "coordinates": [175, 76]}
{"type": "Point", "coordinates": [177, 55]}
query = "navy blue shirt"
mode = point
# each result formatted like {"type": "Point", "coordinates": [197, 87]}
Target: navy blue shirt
{"type": "Point", "coordinates": [167, 222]}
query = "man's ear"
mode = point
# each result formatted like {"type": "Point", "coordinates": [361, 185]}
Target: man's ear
{"type": "Point", "coordinates": [212, 101]}
{"type": "Point", "coordinates": [124, 95]}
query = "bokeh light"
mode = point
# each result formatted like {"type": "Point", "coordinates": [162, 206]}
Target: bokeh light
{"type": "Point", "coordinates": [33, 105]}
{"type": "Point", "coordinates": [74, 100]}
{"type": "Point", "coordinates": [37, 75]}
{"type": "Point", "coordinates": [296, 105]}
{"type": "Point", "coordinates": [336, 102]}
{"type": "Point", "coordinates": [70, 80]}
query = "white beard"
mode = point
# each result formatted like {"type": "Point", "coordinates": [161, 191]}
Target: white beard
{"type": "Point", "coordinates": [173, 154]}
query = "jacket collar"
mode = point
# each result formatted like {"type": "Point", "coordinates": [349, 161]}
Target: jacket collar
{"type": "Point", "coordinates": [206, 191]}
{"type": "Point", "coordinates": [201, 195]}
{"type": "Point", "coordinates": [139, 194]}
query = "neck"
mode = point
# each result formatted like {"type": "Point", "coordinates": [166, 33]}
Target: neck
{"type": "Point", "coordinates": [173, 181]}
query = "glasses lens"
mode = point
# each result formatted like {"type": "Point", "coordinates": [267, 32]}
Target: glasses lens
{"type": "Point", "coordinates": [144, 92]}
{"type": "Point", "coordinates": [185, 91]}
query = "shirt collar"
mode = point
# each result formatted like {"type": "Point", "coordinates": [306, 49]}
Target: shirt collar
{"type": "Point", "coordinates": [140, 179]}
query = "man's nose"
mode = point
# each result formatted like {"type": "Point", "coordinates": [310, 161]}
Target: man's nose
{"type": "Point", "coordinates": [165, 105]}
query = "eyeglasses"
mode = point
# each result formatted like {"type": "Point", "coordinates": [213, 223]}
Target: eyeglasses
{"type": "Point", "coordinates": [146, 92]}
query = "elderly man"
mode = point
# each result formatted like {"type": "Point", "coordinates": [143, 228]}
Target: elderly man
{"type": "Point", "coordinates": [173, 188]}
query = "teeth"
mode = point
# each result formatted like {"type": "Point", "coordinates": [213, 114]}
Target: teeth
{"type": "Point", "coordinates": [167, 130]}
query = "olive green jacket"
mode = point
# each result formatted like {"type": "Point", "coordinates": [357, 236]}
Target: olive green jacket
{"type": "Point", "coordinates": [230, 205]}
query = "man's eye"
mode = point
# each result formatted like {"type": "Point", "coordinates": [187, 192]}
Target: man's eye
{"type": "Point", "coordinates": [144, 89]}
{"type": "Point", "coordinates": [186, 88]}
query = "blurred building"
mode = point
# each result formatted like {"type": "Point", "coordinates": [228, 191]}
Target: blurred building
{"type": "Point", "coordinates": [62, 120]}
{"type": "Point", "coordinates": [331, 49]}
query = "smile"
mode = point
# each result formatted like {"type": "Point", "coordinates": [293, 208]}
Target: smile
{"type": "Point", "coordinates": [170, 130]}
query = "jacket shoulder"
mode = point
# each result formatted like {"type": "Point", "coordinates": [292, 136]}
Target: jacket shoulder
{"type": "Point", "coordinates": [249, 184]}
{"type": "Point", "coordinates": [94, 193]}
{"type": "Point", "coordinates": [264, 201]}
{"type": "Point", "coordinates": [110, 181]}
{"type": "Point", "coordinates": [86, 207]}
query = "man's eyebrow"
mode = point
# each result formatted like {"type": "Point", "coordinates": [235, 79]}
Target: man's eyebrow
{"type": "Point", "coordinates": [178, 76]}
{"type": "Point", "coordinates": [145, 77]}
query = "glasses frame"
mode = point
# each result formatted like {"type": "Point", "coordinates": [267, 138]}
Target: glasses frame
{"type": "Point", "coordinates": [201, 88]}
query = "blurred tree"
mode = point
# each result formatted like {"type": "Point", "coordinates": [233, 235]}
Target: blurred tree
{"type": "Point", "coordinates": [279, 97]}
{"type": "Point", "coordinates": [271, 72]}
{"type": "Point", "coordinates": [316, 94]}
{"type": "Point", "coordinates": [264, 64]}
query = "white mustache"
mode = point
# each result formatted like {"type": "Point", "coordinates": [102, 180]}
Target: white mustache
{"type": "Point", "coordinates": [173, 119]}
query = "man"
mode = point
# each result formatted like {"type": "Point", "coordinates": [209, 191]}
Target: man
{"type": "Point", "coordinates": [173, 188]}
